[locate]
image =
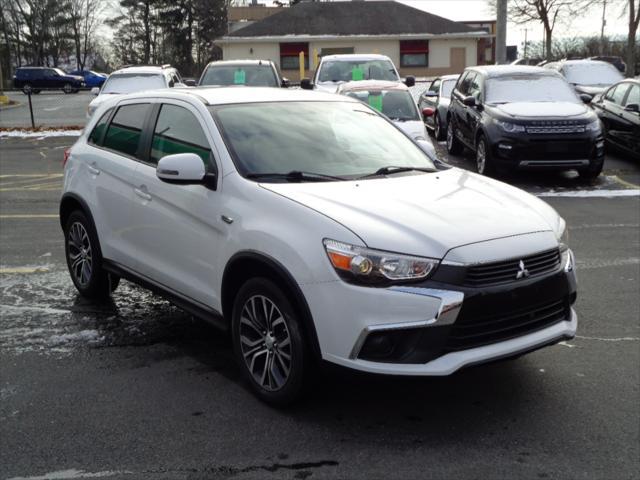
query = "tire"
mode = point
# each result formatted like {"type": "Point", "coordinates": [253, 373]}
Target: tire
{"type": "Point", "coordinates": [26, 88]}
{"type": "Point", "coordinates": [261, 345]}
{"type": "Point", "coordinates": [84, 259]}
{"type": "Point", "coordinates": [35, 91]}
{"type": "Point", "coordinates": [484, 161]}
{"type": "Point", "coordinates": [592, 172]}
{"type": "Point", "coordinates": [454, 147]}
{"type": "Point", "coordinates": [67, 88]}
{"type": "Point", "coordinates": [438, 133]}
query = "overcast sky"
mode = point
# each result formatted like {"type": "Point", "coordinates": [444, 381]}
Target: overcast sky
{"type": "Point", "coordinates": [586, 25]}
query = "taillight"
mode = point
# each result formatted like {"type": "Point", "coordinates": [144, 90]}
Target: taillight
{"type": "Point", "coordinates": [67, 152]}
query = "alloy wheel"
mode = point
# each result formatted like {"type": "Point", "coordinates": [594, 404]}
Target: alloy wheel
{"type": "Point", "coordinates": [450, 136]}
{"type": "Point", "coordinates": [436, 126]}
{"type": "Point", "coordinates": [67, 88]}
{"type": "Point", "coordinates": [80, 254]}
{"type": "Point", "coordinates": [481, 157]}
{"type": "Point", "coordinates": [265, 342]}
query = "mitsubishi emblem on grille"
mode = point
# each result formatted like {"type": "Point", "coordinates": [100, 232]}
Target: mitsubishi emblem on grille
{"type": "Point", "coordinates": [522, 271]}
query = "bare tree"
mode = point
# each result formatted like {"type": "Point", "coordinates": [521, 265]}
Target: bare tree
{"type": "Point", "coordinates": [547, 12]}
{"type": "Point", "coordinates": [84, 18]}
{"type": "Point", "coordinates": [634, 19]}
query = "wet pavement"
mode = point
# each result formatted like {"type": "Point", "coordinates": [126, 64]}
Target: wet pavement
{"type": "Point", "coordinates": [136, 388]}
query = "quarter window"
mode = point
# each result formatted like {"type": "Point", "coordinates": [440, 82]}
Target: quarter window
{"type": "Point", "coordinates": [178, 131]}
{"type": "Point", "coordinates": [435, 86]}
{"type": "Point", "coordinates": [95, 137]}
{"type": "Point", "coordinates": [634, 96]}
{"type": "Point", "coordinates": [125, 129]}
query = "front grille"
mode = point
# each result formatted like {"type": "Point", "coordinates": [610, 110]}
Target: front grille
{"type": "Point", "coordinates": [510, 270]}
{"type": "Point", "coordinates": [470, 331]}
{"type": "Point", "coordinates": [555, 127]}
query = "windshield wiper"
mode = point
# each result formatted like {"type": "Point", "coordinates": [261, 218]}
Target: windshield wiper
{"type": "Point", "coordinates": [390, 170]}
{"type": "Point", "coordinates": [296, 176]}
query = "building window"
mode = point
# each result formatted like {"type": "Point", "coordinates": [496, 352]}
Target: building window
{"type": "Point", "coordinates": [289, 59]}
{"type": "Point", "coordinates": [414, 53]}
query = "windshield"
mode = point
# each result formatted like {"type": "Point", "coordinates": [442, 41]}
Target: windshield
{"type": "Point", "coordinates": [134, 82]}
{"type": "Point", "coordinates": [250, 75]}
{"type": "Point", "coordinates": [447, 88]}
{"type": "Point", "coordinates": [529, 88]}
{"type": "Point", "coordinates": [346, 71]}
{"type": "Point", "coordinates": [591, 73]}
{"type": "Point", "coordinates": [59, 71]}
{"type": "Point", "coordinates": [341, 139]}
{"type": "Point", "coordinates": [397, 105]}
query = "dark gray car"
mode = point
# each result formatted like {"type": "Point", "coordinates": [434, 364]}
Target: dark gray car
{"type": "Point", "coordinates": [434, 104]}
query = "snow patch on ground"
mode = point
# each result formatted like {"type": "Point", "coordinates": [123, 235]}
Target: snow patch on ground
{"type": "Point", "coordinates": [41, 134]}
{"type": "Point", "coordinates": [73, 474]}
{"type": "Point", "coordinates": [84, 336]}
{"type": "Point", "coordinates": [629, 192]}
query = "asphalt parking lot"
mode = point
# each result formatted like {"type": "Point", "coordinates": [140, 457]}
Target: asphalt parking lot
{"type": "Point", "coordinates": [135, 388]}
{"type": "Point", "coordinates": [50, 108]}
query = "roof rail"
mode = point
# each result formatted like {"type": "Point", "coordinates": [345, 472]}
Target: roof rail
{"type": "Point", "coordinates": [165, 65]}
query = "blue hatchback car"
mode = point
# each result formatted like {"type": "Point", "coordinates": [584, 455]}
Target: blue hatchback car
{"type": "Point", "coordinates": [91, 78]}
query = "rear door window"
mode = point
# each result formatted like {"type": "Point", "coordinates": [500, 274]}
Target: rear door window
{"type": "Point", "coordinates": [616, 94]}
{"type": "Point", "coordinates": [177, 130]}
{"type": "Point", "coordinates": [634, 96]}
{"type": "Point", "coordinates": [125, 129]}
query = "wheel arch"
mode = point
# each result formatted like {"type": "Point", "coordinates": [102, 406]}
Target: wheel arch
{"type": "Point", "coordinates": [250, 264]}
{"type": "Point", "coordinates": [71, 202]}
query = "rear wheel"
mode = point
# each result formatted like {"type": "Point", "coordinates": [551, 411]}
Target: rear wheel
{"type": "Point", "coordinates": [268, 342]}
{"type": "Point", "coordinates": [454, 147]}
{"type": "Point", "coordinates": [27, 89]}
{"type": "Point", "coordinates": [592, 172]}
{"type": "Point", "coordinates": [84, 259]}
{"type": "Point", "coordinates": [68, 88]}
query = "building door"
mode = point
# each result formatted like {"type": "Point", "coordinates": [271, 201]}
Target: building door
{"type": "Point", "coordinates": [457, 59]}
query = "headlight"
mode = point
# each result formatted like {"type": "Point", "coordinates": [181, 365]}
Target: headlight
{"type": "Point", "coordinates": [567, 259]}
{"type": "Point", "coordinates": [593, 126]}
{"type": "Point", "coordinates": [562, 232]}
{"type": "Point", "coordinates": [368, 266]}
{"type": "Point", "coordinates": [510, 127]}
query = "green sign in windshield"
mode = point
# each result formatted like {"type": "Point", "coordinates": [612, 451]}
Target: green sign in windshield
{"type": "Point", "coordinates": [375, 101]}
{"type": "Point", "coordinates": [239, 77]}
{"type": "Point", "coordinates": [357, 74]}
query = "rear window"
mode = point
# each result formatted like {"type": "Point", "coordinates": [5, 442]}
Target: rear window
{"type": "Point", "coordinates": [591, 73]}
{"type": "Point", "coordinates": [249, 75]}
{"type": "Point", "coordinates": [353, 70]}
{"type": "Point", "coordinates": [134, 82]}
{"type": "Point", "coordinates": [125, 129]}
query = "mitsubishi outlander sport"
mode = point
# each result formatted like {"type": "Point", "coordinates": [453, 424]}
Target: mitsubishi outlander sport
{"type": "Point", "coordinates": [312, 228]}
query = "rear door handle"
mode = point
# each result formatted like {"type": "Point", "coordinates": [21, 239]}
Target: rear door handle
{"type": "Point", "coordinates": [142, 194]}
{"type": "Point", "coordinates": [93, 169]}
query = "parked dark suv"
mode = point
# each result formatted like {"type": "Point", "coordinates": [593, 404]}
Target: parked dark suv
{"type": "Point", "coordinates": [35, 79]}
{"type": "Point", "coordinates": [523, 118]}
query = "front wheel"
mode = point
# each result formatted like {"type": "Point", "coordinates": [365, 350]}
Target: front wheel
{"type": "Point", "coordinates": [592, 172]}
{"type": "Point", "coordinates": [454, 147]}
{"type": "Point", "coordinates": [484, 161]}
{"type": "Point", "coordinates": [68, 88]}
{"type": "Point", "coordinates": [84, 259]}
{"type": "Point", "coordinates": [268, 342]}
{"type": "Point", "coordinates": [438, 131]}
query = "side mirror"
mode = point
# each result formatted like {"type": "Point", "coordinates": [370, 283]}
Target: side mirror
{"type": "Point", "coordinates": [632, 107]}
{"type": "Point", "coordinates": [469, 101]}
{"type": "Point", "coordinates": [181, 168]}
{"type": "Point", "coordinates": [410, 81]}
{"type": "Point", "coordinates": [586, 98]}
{"type": "Point", "coordinates": [285, 82]}
{"type": "Point", "coordinates": [95, 91]}
{"type": "Point", "coordinates": [171, 84]}
{"type": "Point", "coordinates": [190, 82]}
{"type": "Point", "coordinates": [306, 84]}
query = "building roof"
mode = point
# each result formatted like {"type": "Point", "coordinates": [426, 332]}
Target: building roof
{"type": "Point", "coordinates": [351, 18]}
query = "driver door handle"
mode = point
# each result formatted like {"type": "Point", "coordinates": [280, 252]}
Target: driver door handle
{"type": "Point", "coordinates": [93, 169]}
{"type": "Point", "coordinates": [142, 194]}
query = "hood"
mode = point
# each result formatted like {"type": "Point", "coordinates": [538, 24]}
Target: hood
{"type": "Point", "coordinates": [413, 128]}
{"type": "Point", "coordinates": [426, 214]}
{"type": "Point", "coordinates": [77, 78]}
{"type": "Point", "coordinates": [542, 109]}
{"type": "Point", "coordinates": [590, 89]}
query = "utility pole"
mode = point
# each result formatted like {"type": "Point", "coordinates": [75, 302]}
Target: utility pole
{"type": "Point", "coordinates": [604, 22]}
{"type": "Point", "coordinates": [525, 42]}
{"type": "Point", "coordinates": [501, 32]}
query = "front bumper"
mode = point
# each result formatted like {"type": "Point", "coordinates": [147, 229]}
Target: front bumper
{"type": "Point", "coordinates": [437, 328]}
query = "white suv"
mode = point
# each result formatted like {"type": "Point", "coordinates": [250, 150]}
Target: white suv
{"type": "Point", "coordinates": [313, 228]}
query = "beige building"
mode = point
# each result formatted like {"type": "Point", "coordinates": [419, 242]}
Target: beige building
{"type": "Point", "coordinates": [418, 42]}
